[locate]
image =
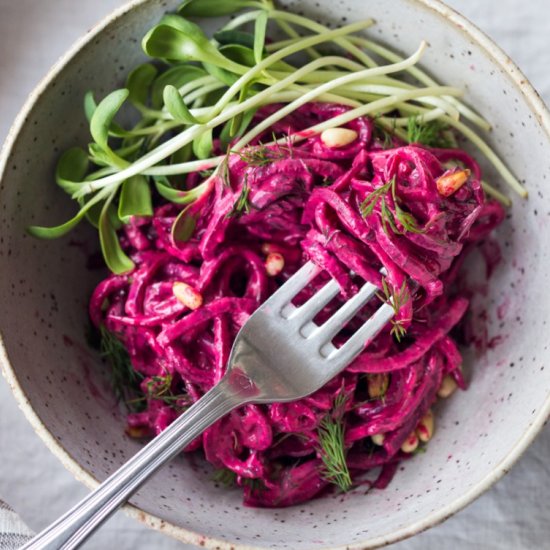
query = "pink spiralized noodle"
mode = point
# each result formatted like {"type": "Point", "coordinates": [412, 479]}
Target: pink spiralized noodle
{"type": "Point", "coordinates": [304, 203]}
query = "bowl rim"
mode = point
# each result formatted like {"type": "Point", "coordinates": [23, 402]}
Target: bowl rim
{"type": "Point", "coordinates": [542, 115]}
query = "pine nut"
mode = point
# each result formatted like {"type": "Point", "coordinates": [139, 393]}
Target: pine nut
{"type": "Point", "coordinates": [425, 428]}
{"type": "Point", "coordinates": [378, 439]}
{"type": "Point", "coordinates": [411, 443]}
{"type": "Point", "coordinates": [377, 385]}
{"type": "Point", "coordinates": [448, 387]}
{"type": "Point", "coordinates": [451, 181]}
{"type": "Point", "coordinates": [274, 263]}
{"type": "Point", "coordinates": [338, 137]}
{"type": "Point", "coordinates": [187, 295]}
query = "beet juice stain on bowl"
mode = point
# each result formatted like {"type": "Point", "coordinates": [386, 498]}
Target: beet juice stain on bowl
{"type": "Point", "coordinates": [136, 227]}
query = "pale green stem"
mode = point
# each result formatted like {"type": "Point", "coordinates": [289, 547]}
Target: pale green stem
{"type": "Point", "coordinates": [388, 90]}
{"type": "Point", "coordinates": [184, 167]}
{"type": "Point", "coordinates": [274, 46]}
{"type": "Point", "coordinates": [151, 130]}
{"type": "Point", "coordinates": [344, 118]}
{"type": "Point", "coordinates": [106, 171]}
{"type": "Point", "coordinates": [286, 28]}
{"type": "Point", "coordinates": [201, 92]}
{"type": "Point", "coordinates": [429, 116]}
{"type": "Point", "coordinates": [304, 22]}
{"type": "Point", "coordinates": [194, 84]}
{"type": "Point", "coordinates": [278, 56]}
{"type": "Point", "coordinates": [421, 76]}
{"type": "Point", "coordinates": [496, 194]}
{"type": "Point", "coordinates": [320, 77]}
{"type": "Point", "coordinates": [416, 72]}
{"type": "Point", "coordinates": [189, 134]}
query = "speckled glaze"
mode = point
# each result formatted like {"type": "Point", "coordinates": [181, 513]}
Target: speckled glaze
{"type": "Point", "coordinates": [62, 386]}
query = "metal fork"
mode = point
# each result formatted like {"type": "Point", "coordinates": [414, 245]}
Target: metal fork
{"type": "Point", "coordinates": [279, 355]}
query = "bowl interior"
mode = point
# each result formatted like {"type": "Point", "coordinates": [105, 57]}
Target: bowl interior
{"type": "Point", "coordinates": [45, 286]}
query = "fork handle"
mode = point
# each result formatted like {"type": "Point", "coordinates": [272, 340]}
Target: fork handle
{"type": "Point", "coordinates": [73, 528]}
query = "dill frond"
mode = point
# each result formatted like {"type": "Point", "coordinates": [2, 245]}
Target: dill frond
{"type": "Point", "coordinates": [331, 433]}
{"type": "Point", "coordinates": [433, 133]}
{"type": "Point", "coordinates": [124, 379]}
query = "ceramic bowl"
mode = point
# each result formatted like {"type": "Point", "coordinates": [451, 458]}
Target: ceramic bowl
{"type": "Point", "coordinates": [62, 386]}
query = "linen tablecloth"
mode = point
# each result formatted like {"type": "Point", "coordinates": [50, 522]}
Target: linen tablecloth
{"type": "Point", "coordinates": [511, 516]}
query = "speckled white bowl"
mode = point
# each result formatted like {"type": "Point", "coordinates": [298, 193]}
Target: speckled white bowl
{"type": "Point", "coordinates": [61, 385]}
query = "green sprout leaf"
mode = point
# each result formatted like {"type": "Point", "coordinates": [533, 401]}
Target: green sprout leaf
{"type": "Point", "coordinates": [238, 53]}
{"type": "Point", "coordinates": [183, 226]}
{"type": "Point", "coordinates": [203, 145]}
{"type": "Point", "coordinates": [176, 76]}
{"type": "Point", "coordinates": [135, 199]}
{"type": "Point", "coordinates": [240, 38]}
{"type": "Point", "coordinates": [222, 75]}
{"type": "Point", "coordinates": [63, 229]}
{"type": "Point", "coordinates": [214, 8]}
{"type": "Point", "coordinates": [72, 169]}
{"type": "Point", "coordinates": [186, 228]}
{"type": "Point", "coordinates": [260, 29]}
{"type": "Point", "coordinates": [139, 83]}
{"type": "Point", "coordinates": [184, 25]}
{"type": "Point", "coordinates": [228, 131]}
{"type": "Point", "coordinates": [176, 39]}
{"type": "Point", "coordinates": [115, 258]}
{"type": "Point", "coordinates": [90, 105]}
{"type": "Point", "coordinates": [176, 196]}
{"type": "Point", "coordinates": [94, 213]}
{"type": "Point", "coordinates": [177, 107]}
{"type": "Point", "coordinates": [245, 56]}
{"type": "Point", "coordinates": [103, 117]}
{"type": "Point", "coordinates": [101, 122]}
{"type": "Point", "coordinates": [99, 156]}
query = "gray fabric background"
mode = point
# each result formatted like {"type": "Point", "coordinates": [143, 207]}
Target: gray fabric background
{"type": "Point", "coordinates": [513, 515]}
{"type": "Point", "coordinates": [13, 532]}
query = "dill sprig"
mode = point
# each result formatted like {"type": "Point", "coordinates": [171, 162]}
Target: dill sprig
{"type": "Point", "coordinates": [160, 388]}
{"type": "Point", "coordinates": [384, 133]}
{"type": "Point", "coordinates": [387, 216]}
{"type": "Point", "coordinates": [242, 204]}
{"type": "Point", "coordinates": [225, 476]}
{"type": "Point", "coordinates": [331, 433]}
{"type": "Point", "coordinates": [396, 299]}
{"type": "Point", "coordinates": [433, 133]}
{"type": "Point", "coordinates": [262, 155]}
{"type": "Point", "coordinates": [228, 478]}
{"type": "Point", "coordinates": [255, 483]}
{"type": "Point", "coordinates": [125, 380]}
{"type": "Point", "coordinates": [372, 199]}
{"type": "Point", "coordinates": [224, 169]}
{"type": "Point", "coordinates": [406, 219]}
{"type": "Point", "coordinates": [421, 449]}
